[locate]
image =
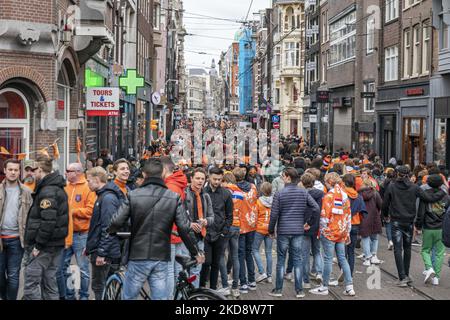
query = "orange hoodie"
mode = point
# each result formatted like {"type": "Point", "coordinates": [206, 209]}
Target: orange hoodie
{"type": "Point", "coordinates": [352, 193]}
{"type": "Point", "coordinates": [262, 224]}
{"type": "Point", "coordinates": [176, 182]}
{"type": "Point", "coordinates": [81, 205]}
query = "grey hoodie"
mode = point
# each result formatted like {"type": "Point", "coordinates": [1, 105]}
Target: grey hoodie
{"type": "Point", "coordinates": [266, 201]}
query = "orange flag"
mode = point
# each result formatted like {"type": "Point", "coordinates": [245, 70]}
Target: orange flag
{"type": "Point", "coordinates": [55, 151]}
{"type": "Point", "coordinates": [4, 150]}
{"type": "Point", "coordinates": [44, 152]}
{"type": "Point", "coordinates": [21, 156]}
{"type": "Point", "coordinates": [78, 149]}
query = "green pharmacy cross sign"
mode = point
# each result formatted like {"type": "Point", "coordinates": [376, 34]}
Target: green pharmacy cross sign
{"type": "Point", "coordinates": [131, 81]}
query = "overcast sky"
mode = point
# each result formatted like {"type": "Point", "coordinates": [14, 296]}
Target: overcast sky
{"type": "Point", "coordinates": [227, 9]}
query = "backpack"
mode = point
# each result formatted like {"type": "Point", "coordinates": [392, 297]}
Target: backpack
{"type": "Point", "coordinates": [446, 230]}
{"type": "Point", "coordinates": [438, 208]}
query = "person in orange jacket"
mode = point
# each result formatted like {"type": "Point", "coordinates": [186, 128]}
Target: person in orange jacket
{"type": "Point", "coordinates": [263, 206]}
{"type": "Point", "coordinates": [81, 205]}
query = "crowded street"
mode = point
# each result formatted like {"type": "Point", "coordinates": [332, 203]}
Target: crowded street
{"type": "Point", "coordinates": [189, 150]}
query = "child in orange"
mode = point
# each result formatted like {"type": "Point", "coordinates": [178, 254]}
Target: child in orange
{"type": "Point", "coordinates": [263, 206]}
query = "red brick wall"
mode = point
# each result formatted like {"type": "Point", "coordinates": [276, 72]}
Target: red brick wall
{"type": "Point", "coordinates": [30, 10]}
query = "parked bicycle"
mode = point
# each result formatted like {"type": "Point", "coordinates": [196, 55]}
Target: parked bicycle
{"type": "Point", "coordinates": [184, 288]}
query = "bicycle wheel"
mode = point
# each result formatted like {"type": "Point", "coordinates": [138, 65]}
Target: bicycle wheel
{"type": "Point", "coordinates": [113, 288]}
{"type": "Point", "coordinates": [205, 294]}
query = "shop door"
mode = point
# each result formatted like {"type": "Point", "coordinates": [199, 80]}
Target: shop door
{"type": "Point", "coordinates": [414, 141]}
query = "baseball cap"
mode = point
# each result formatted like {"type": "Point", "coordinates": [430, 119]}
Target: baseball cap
{"type": "Point", "coordinates": [402, 170]}
{"type": "Point", "coordinates": [30, 164]}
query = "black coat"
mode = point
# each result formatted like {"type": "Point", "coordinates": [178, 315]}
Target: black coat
{"type": "Point", "coordinates": [222, 204]}
{"type": "Point", "coordinates": [313, 217]}
{"type": "Point", "coordinates": [99, 242]}
{"type": "Point", "coordinates": [399, 200]}
{"type": "Point", "coordinates": [48, 219]}
{"type": "Point", "coordinates": [151, 222]}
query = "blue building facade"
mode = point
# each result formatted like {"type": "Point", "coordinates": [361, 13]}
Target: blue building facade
{"type": "Point", "coordinates": [247, 51]}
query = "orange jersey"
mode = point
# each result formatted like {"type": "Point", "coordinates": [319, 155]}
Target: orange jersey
{"type": "Point", "coordinates": [335, 218]}
{"type": "Point", "coordinates": [244, 203]}
{"type": "Point", "coordinates": [81, 204]}
{"type": "Point", "coordinates": [263, 218]}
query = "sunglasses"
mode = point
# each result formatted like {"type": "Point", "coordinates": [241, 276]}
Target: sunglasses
{"type": "Point", "coordinates": [69, 171]}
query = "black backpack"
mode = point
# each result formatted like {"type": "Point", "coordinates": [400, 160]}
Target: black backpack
{"type": "Point", "coordinates": [446, 229]}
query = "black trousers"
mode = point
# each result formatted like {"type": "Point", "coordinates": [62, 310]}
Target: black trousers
{"type": "Point", "coordinates": [402, 234]}
{"type": "Point", "coordinates": [210, 269]}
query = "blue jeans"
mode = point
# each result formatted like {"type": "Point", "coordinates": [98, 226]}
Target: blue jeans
{"type": "Point", "coordinates": [195, 270]}
{"type": "Point", "coordinates": [174, 268]}
{"type": "Point", "coordinates": [295, 245]}
{"type": "Point", "coordinates": [259, 238]}
{"type": "Point", "coordinates": [388, 226]}
{"type": "Point", "coordinates": [65, 286]}
{"type": "Point", "coordinates": [311, 243]}
{"type": "Point", "coordinates": [246, 258]}
{"type": "Point", "coordinates": [329, 247]}
{"type": "Point", "coordinates": [233, 255]}
{"type": "Point", "coordinates": [370, 245]}
{"type": "Point", "coordinates": [290, 263]}
{"type": "Point", "coordinates": [10, 262]}
{"type": "Point", "coordinates": [350, 249]}
{"type": "Point", "coordinates": [153, 271]}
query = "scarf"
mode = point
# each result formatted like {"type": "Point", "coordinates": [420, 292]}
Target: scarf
{"type": "Point", "coordinates": [339, 200]}
{"type": "Point", "coordinates": [199, 209]}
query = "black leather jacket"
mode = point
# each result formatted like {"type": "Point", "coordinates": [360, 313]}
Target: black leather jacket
{"type": "Point", "coordinates": [151, 225]}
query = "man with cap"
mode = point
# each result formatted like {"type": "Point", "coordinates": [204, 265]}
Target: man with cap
{"type": "Point", "coordinates": [399, 207]}
{"type": "Point", "coordinates": [29, 181]}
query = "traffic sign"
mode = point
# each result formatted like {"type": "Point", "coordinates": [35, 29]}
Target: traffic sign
{"type": "Point", "coordinates": [156, 98]}
{"type": "Point", "coordinates": [275, 118]}
{"type": "Point", "coordinates": [276, 125]}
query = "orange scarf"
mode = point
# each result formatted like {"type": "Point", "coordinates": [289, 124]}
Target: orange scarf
{"type": "Point", "coordinates": [200, 209]}
{"type": "Point", "coordinates": [122, 186]}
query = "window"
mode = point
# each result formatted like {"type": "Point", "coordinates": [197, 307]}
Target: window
{"type": "Point", "coordinates": [409, 3]}
{"type": "Point", "coordinates": [325, 30]}
{"type": "Point", "coordinates": [369, 103]}
{"type": "Point", "coordinates": [391, 10]}
{"type": "Point", "coordinates": [444, 35]}
{"type": "Point", "coordinates": [343, 39]}
{"type": "Point", "coordinates": [416, 50]}
{"type": "Point", "coordinates": [391, 64]}
{"type": "Point", "coordinates": [370, 34]}
{"type": "Point", "coordinates": [406, 53]}
{"type": "Point", "coordinates": [277, 58]}
{"type": "Point", "coordinates": [291, 54]}
{"type": "Point", "coordinates": [324, 67]}
{"type": "Point", "coordinates": [156, 16]}
{"type": "Point", "coordinates": [277, 96]}
{"type": "Point", "coordinates": [426, 48]}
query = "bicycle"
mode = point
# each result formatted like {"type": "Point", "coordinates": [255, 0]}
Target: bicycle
{"type": "Point", "coordinates": [184, 288]}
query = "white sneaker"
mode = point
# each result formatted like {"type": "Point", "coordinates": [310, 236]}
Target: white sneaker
{"type": "Point", "coordinates": [261, 277]}
{"type": "Point", "coordinates": [225, 291]}
{"type": "Point", "coordinates": [269, 279]}
{"type": "Point", "coordinates": [288, 276]}
{"type": "Point", "coordinates": [306, 285]}
{"type": "Point", "coordinates": [366, 263]}
{"type": "Point", "coordinates": [361, 256]}
{"type": "Point", "coordinates": [335, 260]}
{"type": "Point", "coordinates": [428, 274]}
{"type": "Point", "coordinates": [236, 293]}
{"type": "Point", "coordinates": [375, 260]}
{"type": "Point", "coordinates": [319, 278]}
{"type": "Point", "coordinates": [435, 281]}
{"type": "Point", "coordinates": [252, 286]}
{"type": "Point", "coordinates": [349, 291]}
{"type": "Point", "coordinates": [322, 291]}
{"type": "Point", "coordinates": [333, 283]}
{"type": "Point", "coordinates": [390, 245]}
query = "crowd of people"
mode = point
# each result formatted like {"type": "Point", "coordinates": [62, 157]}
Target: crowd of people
{"type": "Point", "coordinates": [315, 205]}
